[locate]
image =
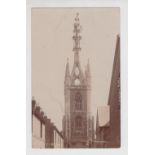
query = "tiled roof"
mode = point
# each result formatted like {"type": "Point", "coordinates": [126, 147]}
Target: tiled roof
{"type": "Point", "coordinates": [103, 115]}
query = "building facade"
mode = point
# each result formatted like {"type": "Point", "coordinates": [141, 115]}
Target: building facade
{"type": "Point", "coordinates": [58, 141]}
{"type": "Point", "coordinates": [102, 127]}
{"type": "Point", "coordinates": [78, 125]}
{"type": "Point", "coordinates": [114, 100]}
{"type": "Point", "coordinates": [38, 127]}
{"type": "Point", "coordinates": [54, 138]}
{"type": "Point", "coordinates": [44, 133]}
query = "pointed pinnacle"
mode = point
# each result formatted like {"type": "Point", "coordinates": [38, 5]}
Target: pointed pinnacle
{"type": "Point", "coordinates": [67, 68]}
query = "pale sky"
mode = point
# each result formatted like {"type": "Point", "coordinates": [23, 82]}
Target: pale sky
{"type": "Point", "coordinates": [52, 31]}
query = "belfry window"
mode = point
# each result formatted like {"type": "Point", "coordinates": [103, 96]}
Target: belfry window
{"type": "Point", "coordinates": [77, 71]}
{"type": "Point", "coordinates": [77, 82]}
{"type": "Point", "coordinates": [78, 101]}
{"type": "Point", "coordinates": [78, 122]}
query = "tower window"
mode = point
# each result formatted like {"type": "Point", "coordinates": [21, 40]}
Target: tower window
{"type": "Point", "coordinates": [77, 71]}
{"type": "Point", "coordinates": [78, 101]}
{"type": "Point", "coordinates": [78, 122]}
{"type": "Point", "coordinates": [77, 82]}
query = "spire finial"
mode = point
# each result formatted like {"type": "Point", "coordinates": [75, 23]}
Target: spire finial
{"type": "Point", "coordinates": [77, 17]}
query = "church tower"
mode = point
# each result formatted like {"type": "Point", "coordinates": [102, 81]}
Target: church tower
{"type": "Point", "coordinates": [78, 125]}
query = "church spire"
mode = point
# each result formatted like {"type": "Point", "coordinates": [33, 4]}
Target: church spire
{"type": "Point", "coordinates": [76, 38]}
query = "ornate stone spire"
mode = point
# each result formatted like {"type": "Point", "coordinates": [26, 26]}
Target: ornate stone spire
{"type": "Point", "coordinates": [76, 38]}
{"type": "Point", "coordinates": [77, 73]}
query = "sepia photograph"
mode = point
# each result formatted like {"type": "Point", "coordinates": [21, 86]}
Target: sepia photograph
{"type": "Point", "coordinates": [75, 77]}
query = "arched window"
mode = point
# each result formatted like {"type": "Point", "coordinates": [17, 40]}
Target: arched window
{"type": "Point", "coordinates": [77, 82]}
{"type": "Point", "coordinates": [77, 71]}
{"type": "Point", "coordinates": [78, 101]}
{"type": "Point", "coordinates": [78, 122]}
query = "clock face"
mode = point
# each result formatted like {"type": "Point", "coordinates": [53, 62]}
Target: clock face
{"type": "Point", "coordinates": [77, 71]}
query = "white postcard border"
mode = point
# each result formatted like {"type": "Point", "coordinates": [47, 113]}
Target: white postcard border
{"type": "Point", "coordinates": [124, 76]}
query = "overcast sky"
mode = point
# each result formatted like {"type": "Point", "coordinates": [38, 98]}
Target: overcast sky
{"type": "Point", "coordinates": [52, 31]}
